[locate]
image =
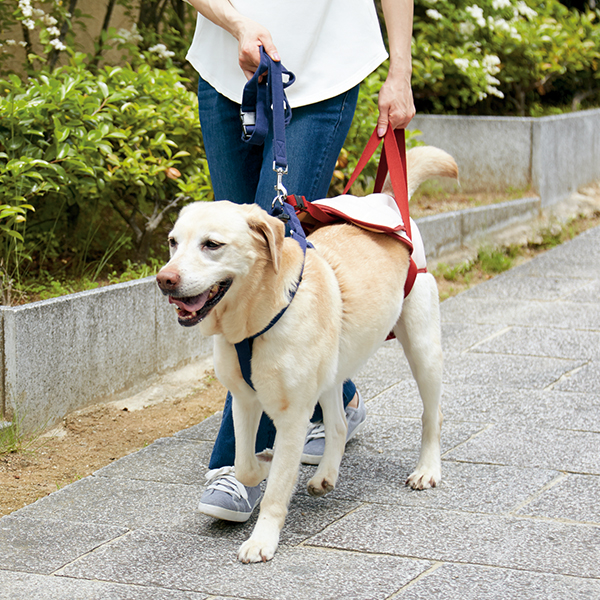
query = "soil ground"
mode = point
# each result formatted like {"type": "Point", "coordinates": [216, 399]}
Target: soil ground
{"type": "Point", "coordinates": [91, 438]}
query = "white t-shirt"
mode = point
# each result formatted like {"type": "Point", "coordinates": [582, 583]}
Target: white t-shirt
{"type": "Point", "coordinates": [330, 45]}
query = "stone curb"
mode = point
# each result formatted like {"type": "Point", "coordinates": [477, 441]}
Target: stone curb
{"type": "Point", "coordinates": [448, 231]}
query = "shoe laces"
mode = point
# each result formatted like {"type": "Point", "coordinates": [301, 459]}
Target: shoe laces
{"type": "Point", "coordinates": [224, 480]}
{"type": "Point", "coordinates": [315, 432]}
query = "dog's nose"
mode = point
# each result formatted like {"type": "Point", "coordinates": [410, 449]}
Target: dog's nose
{"type": "Point", "coordinates": [167, 280]}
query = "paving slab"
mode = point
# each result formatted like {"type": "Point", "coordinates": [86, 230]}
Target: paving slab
{"type": "Point", "coordinates": [45, 545]}
{"type": "Point", "coordinates": [443, 535]}
{"type": "Point", "coordinates": [538, 341]}
{"type": "Point", "coordinates": [548, 408]}
{"type": "Point", "coordinates": [515, 516]}
{"type": "Point", "coordinates": [572, 497]}
{"type": "Point", "coordinates": [468, 582]}
{"type": "Point", "coordinates": [561, 449]}
{"type": "Point", "coordinates": [207, 564]}
{"type": "Point", "coordinates": [500, 489]}
{"type": "Point", "coordinates": [25, 586]}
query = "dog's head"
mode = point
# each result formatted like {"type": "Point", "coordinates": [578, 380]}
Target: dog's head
{"type": "Point", "coordinates": [214, 246]}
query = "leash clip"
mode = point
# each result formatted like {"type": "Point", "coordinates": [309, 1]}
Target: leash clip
{"type": "Point", "coordinates": [248, 122]}
{"type": "Point", "coordinates": [279, 187]}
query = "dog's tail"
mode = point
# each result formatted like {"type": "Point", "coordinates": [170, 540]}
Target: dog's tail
{"type": "Point", "coordinates": [422, 163]}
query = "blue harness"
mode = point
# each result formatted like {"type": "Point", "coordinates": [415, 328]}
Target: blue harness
{"type": "Point", "coordinates": [256, 114]}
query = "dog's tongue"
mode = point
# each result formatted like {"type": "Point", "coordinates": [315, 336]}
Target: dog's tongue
{"type": "Point", "coordinates": [193, 304]}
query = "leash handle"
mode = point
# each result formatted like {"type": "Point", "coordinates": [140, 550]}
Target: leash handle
{"type": "Point", "coordinates": [264, 103]}
{"type": "Point", "coordinates": [393, 158]}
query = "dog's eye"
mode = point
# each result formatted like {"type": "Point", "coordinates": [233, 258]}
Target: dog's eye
{"type": "Point", "coordinates": [212, 245]}
{"type": "Point", "coordinates": [172, 243]}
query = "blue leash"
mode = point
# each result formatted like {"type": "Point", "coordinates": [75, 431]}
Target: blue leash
{"type": "Point", "coordinates": [264, 104]}
{"type": "Point", "coordinates": [258, 98]}
{"type": "Point", "coordinates": [257, 117]}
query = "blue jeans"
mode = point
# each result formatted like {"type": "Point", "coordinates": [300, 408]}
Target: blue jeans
{"type": "Point", "coordinates": [244, 174]}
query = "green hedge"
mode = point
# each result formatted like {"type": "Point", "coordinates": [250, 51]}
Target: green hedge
{"type": "Point", "coordinates": [504, 57]}
{"type": "Point", "coordinates": [91, 155]}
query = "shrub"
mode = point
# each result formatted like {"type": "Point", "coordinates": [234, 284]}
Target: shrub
{"type": "Point", "coordinates": [95, 155]}
{"type": "Point", "coordinates": [503, 56]}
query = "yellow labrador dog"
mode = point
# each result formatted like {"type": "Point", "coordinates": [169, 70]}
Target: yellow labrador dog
{"type": "Point", "coordinates": [232, 270]}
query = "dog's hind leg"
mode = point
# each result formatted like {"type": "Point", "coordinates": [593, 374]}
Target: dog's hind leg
{"type": "Point", "coordinates": [246, 416]}
{"type": "Point", "coordinates": [418, 330]}
{"type": "Point", "coordinates": [334, 420]}
{"type": "Point", "coordinates": [263, 542]}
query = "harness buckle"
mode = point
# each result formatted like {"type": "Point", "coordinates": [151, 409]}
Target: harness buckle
{"type": "Point", "coordinates": [248, 122]}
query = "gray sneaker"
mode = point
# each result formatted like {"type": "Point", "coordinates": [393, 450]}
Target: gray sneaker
{"type": "Point", "coordinates": [226, 498]}
{"type": "Point", "coordinates": [314, 445]}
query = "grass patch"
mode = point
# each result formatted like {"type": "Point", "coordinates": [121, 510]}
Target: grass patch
{"type": "Point", "coordinates": [490, 261]}
{"type": "Point", "coordinates": [14, 438]}
{"type": "Point", "coordinates": [47, 285]}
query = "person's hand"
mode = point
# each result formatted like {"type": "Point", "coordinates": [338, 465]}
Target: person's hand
{"type": "Point", "coordinates": [396, 104]}
{"type": "Point", "coordinates": [251, 37]}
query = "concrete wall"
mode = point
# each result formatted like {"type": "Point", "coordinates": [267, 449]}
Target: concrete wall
{"type": "Point", "coordinates": [449, 231]}
{"type": "Point", "coordinates": [552, 156]}
{"type": "Point", "coordinates": [62, 354]}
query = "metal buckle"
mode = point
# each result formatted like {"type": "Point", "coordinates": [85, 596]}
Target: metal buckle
{"type": "Point", "coordinates": [248, 120]}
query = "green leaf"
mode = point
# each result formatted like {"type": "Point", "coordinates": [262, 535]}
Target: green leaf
{"type": "Point", "coordinates": [103, 88]}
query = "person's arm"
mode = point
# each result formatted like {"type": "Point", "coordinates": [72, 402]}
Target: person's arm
{"type": "Point", "coordinates": [396, 104]}
{"type": "Point", "coordinates": [249, 34]}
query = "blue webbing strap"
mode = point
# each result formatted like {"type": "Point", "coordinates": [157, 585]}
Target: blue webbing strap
{"type": "Point", "coordinates": [244, 348]}
{"type": "Point", "coordinates": [264, 102]}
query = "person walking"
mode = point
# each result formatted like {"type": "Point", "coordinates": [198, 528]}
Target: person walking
{"type": "Point", "coordinates": [330, 46]}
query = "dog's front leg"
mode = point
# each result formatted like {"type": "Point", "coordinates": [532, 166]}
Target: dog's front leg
{"type": "Point", "coordinates": [246, 416]}
{"type": "Point", "coordinates": [289, 442]}
{"type": "Point", "coordinates": [334, 420]}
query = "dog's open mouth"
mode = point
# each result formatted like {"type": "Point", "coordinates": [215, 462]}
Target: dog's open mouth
{"type": "Point", "coordinates": [192, 309]}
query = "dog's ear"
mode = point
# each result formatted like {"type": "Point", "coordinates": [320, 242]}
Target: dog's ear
{"type": "Point", "coordinates": [270, 229]}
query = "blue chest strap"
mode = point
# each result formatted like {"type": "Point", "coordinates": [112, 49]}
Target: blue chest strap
{"type": "Point", "coordinates": [294, 230]}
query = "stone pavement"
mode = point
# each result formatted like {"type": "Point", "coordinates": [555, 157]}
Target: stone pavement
{"type": "Point", "coordinates": [517, 515]}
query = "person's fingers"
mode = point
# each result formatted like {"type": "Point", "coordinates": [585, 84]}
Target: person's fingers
{"type": "Point", "coordinates": [249, 45]}
{"type": "Point", "coordinates": [396, 107]}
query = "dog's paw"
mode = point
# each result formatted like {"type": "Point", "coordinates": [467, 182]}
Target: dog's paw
{"type": "Point", "coordinates": [256, 550]}
{"type": "Point", "coordinates": [424, 478]}
{"type": "Point", "coordinates": [319, 486]}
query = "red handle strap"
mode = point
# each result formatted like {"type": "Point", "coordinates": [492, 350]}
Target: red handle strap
{"type": "Point", "coordinates": [393, 158]}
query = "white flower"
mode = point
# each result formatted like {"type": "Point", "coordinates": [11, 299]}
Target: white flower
{"type": "Point", "coordinates": [467, 28]}
{"type": "Point", "coordinates": [462, 63]}
{"type": "Point", "coordinates": [57, 44]}
{"type": "Point", "coordinates": [161, 50]}
{"type": "Point", "coordinates": [490, 63]}
{"type": "Point", "coordinates": [434, 14]}
{"type": "Point", "coordinates": [10, 42]}
{"type": "Point", "coordinates": [495, 91]}
{"type": "Point", "coordinates": [524, 10]}
{"type": "Point", "coordinates": [55, 31]}
{"type": "Point", "coordinates": [23, 44]}
{"type": "Point", "coordinates": [25, 8]}
{"type": "Point", "coordinates": [49, 20]}
{"type": "Point", "coordinates": [29, 23]}
{"type": "Point", "coordinates": [477, 13]}
{"type": "Point", "coordinates": [500, 24]}
{"type": "Point", "coordinates": [500, 4]}
{"type": "Point", "coordinates": [132, 37]}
